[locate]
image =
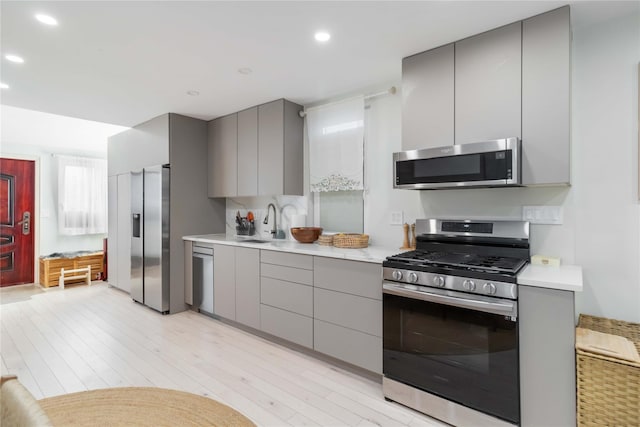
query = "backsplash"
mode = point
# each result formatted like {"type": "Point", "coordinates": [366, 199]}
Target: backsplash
{"type": "Point", "coordinates": [286, 208]}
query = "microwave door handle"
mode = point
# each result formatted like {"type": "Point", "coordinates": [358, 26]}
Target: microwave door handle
{"type": "Point", "coordinates": [502, 308]}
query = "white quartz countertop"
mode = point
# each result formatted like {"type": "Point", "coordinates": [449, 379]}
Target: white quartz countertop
{"type": "Point", "coordinates": [374, 254]}
{"type": "Point", "coordinates": [564, 277]}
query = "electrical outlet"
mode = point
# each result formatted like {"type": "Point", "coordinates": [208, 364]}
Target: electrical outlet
{"type": "Point", "coordinates": [542, 214]}
{"type": "Point", "coordinates": [396, 218]}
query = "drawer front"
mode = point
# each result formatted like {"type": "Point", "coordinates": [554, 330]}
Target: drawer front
{"type": "Point", "coordinates": [361, 314]}
{"type": "Point", "coordinates": [289, 326]}
{"type": "Point", "coordinates": [287, 295]}
{"type": "Point", "coordinates": [354, 347]}
{"type": "Point", "coordinates": [287, 259]}
{"type": "Point", "coordinates": [289, 274]}
{"type": "Point", "coordinates": [353, 277]}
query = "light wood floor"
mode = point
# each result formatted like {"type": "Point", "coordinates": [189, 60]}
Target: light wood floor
{"type": "Point", "coordinates": [83, 338]}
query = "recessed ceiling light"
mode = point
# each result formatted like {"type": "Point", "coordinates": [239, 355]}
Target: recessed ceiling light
{"type": "Point", "coordinates": [322, 36]}
{"type": "Point", "coordinates": [193, 93]}
{"type": "Point", "coordinates": [46, 19]}
{"type": "Point", "coordinates": [14, 58]}
{"type": "Point", "coordinates": [4, 86]}
{"type": "Point", "coordinates": [245, 70]}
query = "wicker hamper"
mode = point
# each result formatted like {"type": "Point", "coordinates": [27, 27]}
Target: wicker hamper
{"type": "Point", "coordinates": [608, 388]}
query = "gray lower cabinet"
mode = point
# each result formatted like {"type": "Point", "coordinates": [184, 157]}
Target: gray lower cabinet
{"type": "Point", "coordinates": [488, 69]}
{"type": "Point", "coordinates": [346, 344]}
{"type": "Point", "coordinates": [223, 156]}
{"type": "Point", "coordinates": [224, 281]}
{"type": "Point", "coordinates": [427, 99]}
{"type": "Point", "coordinates": [546, 94]}
{"type": "Point", "coordinates": [347, 310]}
{"type": "Point", "coordinates": [547, 357]}
{"type": "Point", "coordinates": [188, 272]}
{"type": "Point", "coordinates": [247, 263]}
{"type": "Point", "coordinates": [286, 296]}
{"type": "Point", "coordinates": [287, 325]}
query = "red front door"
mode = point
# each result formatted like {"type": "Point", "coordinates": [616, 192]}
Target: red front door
{"type": "Point", "coordinates": [17, 189]}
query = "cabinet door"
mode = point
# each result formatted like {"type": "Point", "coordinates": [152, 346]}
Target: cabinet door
{"type": "Point", "coordinates": [223, 156]}
{"type": "Point", "coordinates": [271, 148]}
{"type": "Point", "coordinates": [547, 356]}
{"type": "Point", "coordinates": [124, 233]}
{"type": "Point", "coordinates": [188, 272]}
{"type": "Point", "coordinates": [224, 281]}
{"type": "Point", "coordinates": [112, 230]}
{"type": "Point", "coordinates": [248, 152]}
{"type": "Point", "coordinates": [488, 85]}
{"type": "Point", "coordinates": [248, 287]}
{"type": "Point", "coordinates": [546, 53]}
{"type": "Point", "coordinates": [427, 99]}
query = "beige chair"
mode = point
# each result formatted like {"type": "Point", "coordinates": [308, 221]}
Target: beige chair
{"type": "Point", "coordinates": [18, 406]}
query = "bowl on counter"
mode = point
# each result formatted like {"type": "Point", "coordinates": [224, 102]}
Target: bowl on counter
{"type": "Point", "coordinates": [306, 234]}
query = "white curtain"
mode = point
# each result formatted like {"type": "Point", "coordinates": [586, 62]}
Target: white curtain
{"type": "Point", "coordinates": [336, 146]}
{"type": "Point", "coordinates": [82, 195]}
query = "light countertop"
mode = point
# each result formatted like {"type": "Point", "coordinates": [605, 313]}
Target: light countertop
{"type": "Point", "coordinates": [374, 254]}
{"type": "Point", "coordinates": [564, 277]}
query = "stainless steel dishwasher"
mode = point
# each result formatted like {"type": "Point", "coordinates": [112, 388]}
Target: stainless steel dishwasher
{"type": "Point", "coordinates": [203, 278]}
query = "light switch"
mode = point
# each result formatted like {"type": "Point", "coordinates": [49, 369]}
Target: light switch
{"type": "Point", "coordinates": [396, 218]}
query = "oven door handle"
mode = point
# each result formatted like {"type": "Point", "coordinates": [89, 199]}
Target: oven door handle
{"type": "Point", "coordinates": [506, 308]}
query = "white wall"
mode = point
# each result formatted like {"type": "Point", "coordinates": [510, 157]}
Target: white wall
{"type": "Point", "coordinates": [50, 240]}
{"type": "Point", "coordinates": [605, 159]}
{"type": "Point", "coordinates": [601, 229]}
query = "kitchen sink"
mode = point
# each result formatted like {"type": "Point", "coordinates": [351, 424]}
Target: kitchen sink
{"type": "Point", "coordinates": [253, 241]}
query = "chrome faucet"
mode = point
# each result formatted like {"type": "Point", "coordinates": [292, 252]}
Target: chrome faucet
{"type": "Point", "coordinates": [277, 234]}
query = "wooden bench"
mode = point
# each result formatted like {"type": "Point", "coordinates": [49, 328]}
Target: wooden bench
{"type": "Point", "coordinates": [75, 274]}
{"type": "Point", "coordinates": [51, 267]}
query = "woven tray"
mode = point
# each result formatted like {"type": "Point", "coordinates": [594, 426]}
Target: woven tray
{"type": "Point", "coordinates": [325, 239]}
{"type": "Point", "coordinates": [608, 388]}
{"type": "Point", "coordinates": [351, 240]}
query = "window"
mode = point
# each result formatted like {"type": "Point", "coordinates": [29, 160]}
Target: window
{"type": "Point", "coordinates": [82, 195]}
{"type": "Point", "coordinates": [336, 164]}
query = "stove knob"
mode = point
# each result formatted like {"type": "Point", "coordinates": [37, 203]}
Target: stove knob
{"type": "Point", "coordinates": [489, 288]}
{"type": "Point", "coordinates": [469, 285]}
{"type": "Point", "coordinates": [397, 275]}
{"type": "Point", "coordinates": [438, 281]}
{"type": "Point", "coordinates": [413, 277]}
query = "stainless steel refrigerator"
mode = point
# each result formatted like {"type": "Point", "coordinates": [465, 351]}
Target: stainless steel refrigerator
{"type": "Point", "coordinates": [150, 237]}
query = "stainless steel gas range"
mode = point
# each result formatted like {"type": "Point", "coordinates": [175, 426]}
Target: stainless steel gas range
{"type": "Point", "coordinates": [450, 323]}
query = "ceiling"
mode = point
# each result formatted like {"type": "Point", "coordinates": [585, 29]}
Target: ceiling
{"type": "Point", "coordinates": [124, 62]}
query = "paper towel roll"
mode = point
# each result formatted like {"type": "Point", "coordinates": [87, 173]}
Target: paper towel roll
{"type": "Point", "coordinates": [298, 220]}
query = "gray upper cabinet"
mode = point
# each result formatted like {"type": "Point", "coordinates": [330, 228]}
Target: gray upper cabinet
{"type": "Point", "coordinates": [546, 52]}
{"type": "Point", "coordinates": [257, 151]}
{"type": "Point", "coordinates": [280, 156]}
{"type": "Point", "coordinates": [248, 152]}
{"type": "Point", "coordinates": [488, 70]}
{"type": "Point", "coordinates": [271, 148]}
{"type": "Point", "coordinates": [223, 155]}
{"type": "Point", "coordinates": [427, 99]}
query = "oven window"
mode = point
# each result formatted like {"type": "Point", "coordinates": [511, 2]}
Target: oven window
{"type": "Point", "coordinates": [462, 355]}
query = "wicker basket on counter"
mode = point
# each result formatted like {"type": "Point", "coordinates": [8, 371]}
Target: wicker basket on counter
{"type": "Point", "coordinates": [608, 388]}
{"type": "Point", "coordinates": [351, 240]}
{"type": "Point", "coordinates": [325, 239]}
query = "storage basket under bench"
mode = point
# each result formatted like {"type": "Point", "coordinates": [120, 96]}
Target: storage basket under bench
{"type": "Point", "coordinates": [608, 387]}
{"type": "Point", "coordinates": [51, 265]}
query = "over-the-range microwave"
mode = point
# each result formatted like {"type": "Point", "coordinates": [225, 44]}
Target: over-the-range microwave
{"type": "Point", "coordinates": [495, 163]}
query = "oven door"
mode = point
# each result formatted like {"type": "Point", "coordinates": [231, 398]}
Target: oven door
{"type": "Point", "coordinates": [458, 346]}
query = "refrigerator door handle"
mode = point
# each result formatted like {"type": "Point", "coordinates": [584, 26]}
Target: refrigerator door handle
{"type": "Point", "coordinates": [135, 225]}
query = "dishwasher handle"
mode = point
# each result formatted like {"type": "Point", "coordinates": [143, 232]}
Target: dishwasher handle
{"type": "Point", "coordinates": [202, 250]}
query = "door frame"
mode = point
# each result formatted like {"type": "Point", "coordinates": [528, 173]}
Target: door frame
{"type": "Point", "coordinates": [36, 208]}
